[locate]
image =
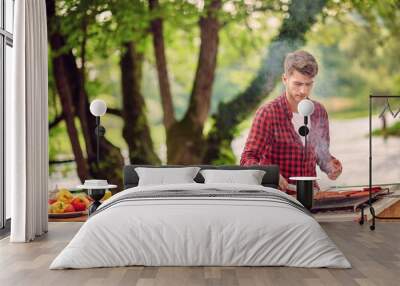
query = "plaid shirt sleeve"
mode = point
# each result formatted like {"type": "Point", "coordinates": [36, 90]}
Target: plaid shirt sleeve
{"type": "Point", "coordinates": [322, 147]}
{"type": "Point", "coordinates": [259, 139]}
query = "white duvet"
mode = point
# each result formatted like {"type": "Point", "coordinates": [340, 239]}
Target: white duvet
{"type": "Point", "coordinates": [200, 231]}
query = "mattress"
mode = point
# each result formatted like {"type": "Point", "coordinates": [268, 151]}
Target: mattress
{"type": "Point", "coordinates": [201, 225]}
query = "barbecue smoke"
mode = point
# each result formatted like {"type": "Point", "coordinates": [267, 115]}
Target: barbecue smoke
{"type": "Point", "coordinates": [321, 145]}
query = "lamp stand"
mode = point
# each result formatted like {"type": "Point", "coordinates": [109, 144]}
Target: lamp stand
{"type": "Point", "coordinates": [304, 188]}
{"type": "Point", "coordinates": [96, 195]}
{"type": "Point", "coordinates": [97, 140]}
{"type": "Point", "coordinates": [371, 208]}
{"type": "Point", "coordinates": [305, 155]}
{"type": "Point", "coordinates": [99, 131]}
{"type": "Point", "coordinates": [303, 131]}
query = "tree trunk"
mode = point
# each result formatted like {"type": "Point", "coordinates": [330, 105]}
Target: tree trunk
{"type": "Point", "coordinates": [136, 130]}
{"type": "Point", "coordinates": [185, 140]}
{"type": "Point", "coordinates": [199, 105]}
{"type": "Point", "coordinates": [112, 162]}
{"type": "Point", "coordinates": [162, 70]}
{"type": "Point", "coordinates": [303, 15]}
{"type": "Point", "coordinates": [185, 143]}
{"type": "Point", "coordinates": [64, 90]}
{"type": "Point", "coordinates": [81, 102]}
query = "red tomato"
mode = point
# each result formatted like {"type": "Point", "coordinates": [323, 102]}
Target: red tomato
{"type": "Point", "coordinates": [52, 201]}
{"type": "Point", "coordinates": [69, 209]}
{"type": "Point", "coordinates": [78, 204]}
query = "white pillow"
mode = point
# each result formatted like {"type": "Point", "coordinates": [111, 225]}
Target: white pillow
{"type": "Point", "coordinates": [249, 177]}
{"type": "Point", "coordinates": [162, 176]}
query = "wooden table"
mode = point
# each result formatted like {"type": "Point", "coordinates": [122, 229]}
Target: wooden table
{"type": "Point", "coordinates": [387, 206]}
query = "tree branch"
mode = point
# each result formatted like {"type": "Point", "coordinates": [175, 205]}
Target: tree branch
{"type": "Point", "coordinates": [56, 120]}
{"type": "Point", "coordinates": [82, 105]}
{"type": "Point", "coordinates": [114, 111]}
{"type": "Point", "coordinates": [56, 162]}
{"type": "Point", "coordinates": [64, 88]}
{"type": "Point", "coordinates": [200, 99]}
{"type": "Point", "coordinates": [162, 70]}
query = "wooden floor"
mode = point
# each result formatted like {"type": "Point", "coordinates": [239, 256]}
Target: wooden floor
{"type": "Point", "coordinates": [392, 211]}
{"type": "Point", "coordinates": [375, 257]}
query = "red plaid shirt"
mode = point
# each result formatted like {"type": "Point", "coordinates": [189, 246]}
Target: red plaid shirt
{"type": "Point", "coordinates": [273, 140]}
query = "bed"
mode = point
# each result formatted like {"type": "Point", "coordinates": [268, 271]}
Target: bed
{"type": "Point", "coordinates": [201, 224]}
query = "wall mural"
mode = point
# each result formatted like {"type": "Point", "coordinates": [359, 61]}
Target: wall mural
{"type": "Point", "coordinates": [182, 82]}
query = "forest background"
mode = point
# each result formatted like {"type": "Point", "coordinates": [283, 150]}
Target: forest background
{"type": "Point", "coordinates": [183, 78]}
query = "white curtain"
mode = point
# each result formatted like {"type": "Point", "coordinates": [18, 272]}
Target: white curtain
{"type": "Point", "coordinates": [27, 124]}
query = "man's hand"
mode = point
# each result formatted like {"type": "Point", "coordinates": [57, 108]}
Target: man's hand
{"type": "Point", "coordinates": [282, 183]}
{"type": "Point", "coordinates": [335, 168]}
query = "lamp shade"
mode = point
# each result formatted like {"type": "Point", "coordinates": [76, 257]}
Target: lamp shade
{"type": "Point", "coordinates": [98, 107]}
{"type": "Point", "coordinates": [306, 107]}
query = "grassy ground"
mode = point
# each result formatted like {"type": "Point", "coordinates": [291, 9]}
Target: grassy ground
{"type": "Point", "coordinates": [393, 130]}
{"type": "Point", "coordinates": [348, 114]}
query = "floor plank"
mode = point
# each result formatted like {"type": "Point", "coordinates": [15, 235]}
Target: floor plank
{"type": "Point", "coordinates": [375, 257]}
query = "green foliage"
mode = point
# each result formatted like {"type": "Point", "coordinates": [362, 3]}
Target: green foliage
{"type": "Point", "coordinates": [59, 146]}
{"type": "Point", "coordinates": [226, 157]}
{"type": "Point", "coordinates": [393, 130]}
{"type": "Point", "coordinates": [357, 43]}
{"type": "Point", "coordinates": [242, 48]}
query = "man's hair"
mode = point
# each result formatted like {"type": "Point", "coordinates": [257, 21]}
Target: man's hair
{"type": "Point", "coordinates": [301, 61]}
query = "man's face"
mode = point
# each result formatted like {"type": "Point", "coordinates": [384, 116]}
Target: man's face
{"type": "Point", "coordinates": [298, 85]}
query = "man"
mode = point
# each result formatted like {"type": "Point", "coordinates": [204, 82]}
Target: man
{"type": "Point", "coordinates": [274, 136]}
